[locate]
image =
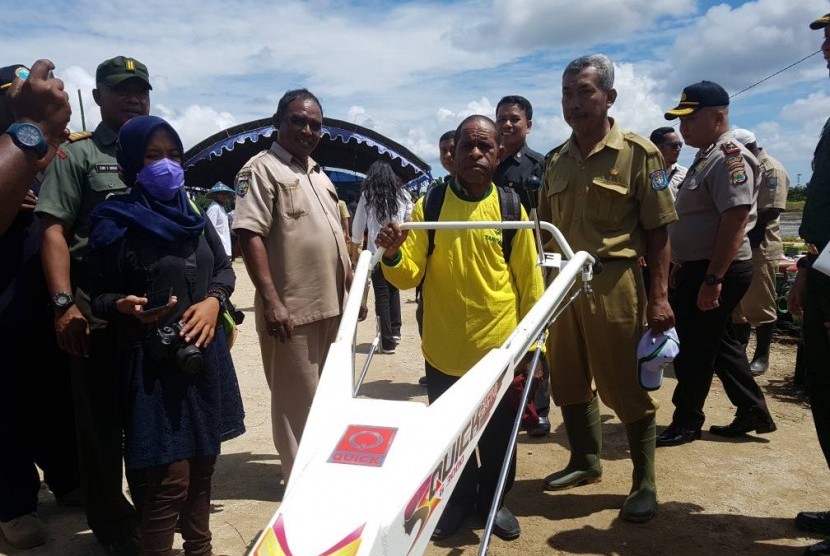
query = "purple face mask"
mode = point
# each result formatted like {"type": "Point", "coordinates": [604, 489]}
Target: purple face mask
{"type": "Point", "coordinates": [161, 179]}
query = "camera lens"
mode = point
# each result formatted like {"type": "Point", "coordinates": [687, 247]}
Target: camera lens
{"type": "Point", "coordinates": [189, 359]}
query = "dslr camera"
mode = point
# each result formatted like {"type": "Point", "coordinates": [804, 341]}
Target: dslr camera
{"type": "Point", "coordinates": [165, 345]}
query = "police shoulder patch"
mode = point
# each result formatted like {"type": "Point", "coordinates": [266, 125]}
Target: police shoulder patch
{"type": "Point", "coordinates": [737, 175]}
{"type": "Point", "coordinates": [730, 147]}
{"type": "Point", "coordinates": [79, 136]}
{"type": "Point", "coordinates": [659, 180]}
{"type": "Point", "coordinates": [772, 182]}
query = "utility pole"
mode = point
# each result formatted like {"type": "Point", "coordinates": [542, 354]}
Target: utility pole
{"type": "Point", "coordinates": [798, 180]}
{"type": "Point", "coordinates": [83, 119]}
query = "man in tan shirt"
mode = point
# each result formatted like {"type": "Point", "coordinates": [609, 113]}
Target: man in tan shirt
{"type": "Point", "coordinates": [606, 189]}
{"type": "Point", "coordinates": [759, 308]}
{"type": "Point", "coordinates": [293, 244]}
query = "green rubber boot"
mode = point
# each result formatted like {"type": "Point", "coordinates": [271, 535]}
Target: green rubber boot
{"type": "Point", "coordinates": [641, 504]}
{"type": "Point", "coordinates": [584, 429]}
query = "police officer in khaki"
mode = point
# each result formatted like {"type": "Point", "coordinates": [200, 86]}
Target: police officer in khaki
{"type": "Point", "coordinates": [712, 269]}
{"type": "Point", "coordinates": [606, 189]}
{"type": "Point", "coordinates": [759, 308]}
{"type": "Point", "coordinates": [83, 174]}
{"type": "Point", "coordinates": [295, 251]}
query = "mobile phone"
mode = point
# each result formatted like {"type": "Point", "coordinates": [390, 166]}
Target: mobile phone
{"type": "Point", "coordinates": [157, 301]}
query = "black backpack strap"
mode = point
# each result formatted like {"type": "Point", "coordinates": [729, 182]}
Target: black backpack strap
{"type": "Point", "coordinates": [432, 211]}
{"type": "Point", "coordinates": [510, 208]}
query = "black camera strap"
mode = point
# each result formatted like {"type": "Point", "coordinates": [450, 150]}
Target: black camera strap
{"type": "Point", "coordinates": [190, 275]}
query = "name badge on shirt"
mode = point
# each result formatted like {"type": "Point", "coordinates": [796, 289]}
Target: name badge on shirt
{"type": "Point", "coordinates": [102, 168]}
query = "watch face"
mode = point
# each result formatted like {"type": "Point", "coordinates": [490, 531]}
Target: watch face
{"type": "Point", "coordinates": [63, 299]}
{"type": "Point", "coordinates": [29, 135]}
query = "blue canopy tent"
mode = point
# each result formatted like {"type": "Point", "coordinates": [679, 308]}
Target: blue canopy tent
{"type": "Point", "coordinates": [345, 151]}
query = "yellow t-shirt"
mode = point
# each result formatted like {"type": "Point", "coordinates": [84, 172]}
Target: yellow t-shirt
{"type": "Point", "coordinates": [472, 299]}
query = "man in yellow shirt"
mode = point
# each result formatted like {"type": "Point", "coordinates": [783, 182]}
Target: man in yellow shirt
{"type": "Point", "coordinates": [473, 300]}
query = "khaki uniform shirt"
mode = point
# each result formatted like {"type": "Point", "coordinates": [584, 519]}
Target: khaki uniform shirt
{"type": "Point", "coordinates": [604, 203]}
{"type": "Point", "coordinates": [83, 174]}
{"type": "Point", "coordinates": [295, 209]}
{"type": "Point", "coordinates": [772, 193]}
{"type": "Point", "coordinates": [723, 176]}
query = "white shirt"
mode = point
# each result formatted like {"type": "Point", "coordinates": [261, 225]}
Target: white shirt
{"type": "Point", "coordinates": [676, 175]}
{"type": "Point", "coordinates": [364, 216]}
{"type": "Point", "coordinates": [217, 215]}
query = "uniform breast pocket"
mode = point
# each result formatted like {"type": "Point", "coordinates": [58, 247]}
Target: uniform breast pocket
{"type": "Point", "coordinates": [105, 184]}
{"type": "Point", "coordinates": [556, 199]}
{"type": "Point", "coordinates": [606, 201]}
{"type": "Point", "coordinates": [293, 201]}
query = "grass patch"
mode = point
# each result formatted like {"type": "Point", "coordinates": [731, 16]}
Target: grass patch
{"type": "Point", "coordinates": [795, 205]}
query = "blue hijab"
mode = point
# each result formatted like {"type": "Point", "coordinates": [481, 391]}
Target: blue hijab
{"type": "Point", "coordinates": [172, 221]}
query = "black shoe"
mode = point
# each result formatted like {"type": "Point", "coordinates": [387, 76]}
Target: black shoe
{"type": "Point", "coordinates": [506, 526]}
{"type": "Point", "coordinates": [450, 521]}
{"type": "Point", "coordinates": [813, 522]}
{"type": "Point", "coordinates": [759, 365]}
{"type": "Point", "coordinates": [423, 380]}
{"type": "Point", "coordinates": [541, 429]}
{"type": "Point", "coordinates": [746, 421]}
{"type": "Point", "coordinates": [675, 436]}
{"type": "Point", "coordinates": [819, 548]}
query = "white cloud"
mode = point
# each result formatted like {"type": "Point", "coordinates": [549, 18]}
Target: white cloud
{"type": "Point", "coordinates": [793, 136]}
{"type": "Point", "coordinates": [358, 115]}
{"type": "Point", "coordinates": [532, 24]}
{"type": "Point", "coordinates": [812, 110]}
{"type": "Point", "coordinates": [78, 79]}
{"type": "Point", "coordinates": [736, 46]}
{"type": "Point", "coordinates": [195, 122]}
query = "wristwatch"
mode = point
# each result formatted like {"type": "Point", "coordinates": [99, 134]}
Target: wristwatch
{"type": "Point", "coordinates": [63, 300]}
{"type": "Point", "coordinates": [28, 136]}
{"type": "Point", "coordinates": [711, 280]}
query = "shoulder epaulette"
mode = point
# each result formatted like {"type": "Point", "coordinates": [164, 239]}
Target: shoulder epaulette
{"type": "Point", "coordinates": [641, 141]}
{"type": "Point", "coordinates": [552, 152]}
{"type": "Point", "coordinates": [251, 161]}
{"type": "Point", "coordinates": [730, 147]}
{"type": "Point", "coordinates": [79, 136]}
{"type": "Point", "coordinates": [530, 153]}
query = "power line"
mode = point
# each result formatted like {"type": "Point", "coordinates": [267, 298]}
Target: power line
{"type": "Point", "coordinates": [767, 78]}
{"type": "Point", "coordinates": [774, 74]}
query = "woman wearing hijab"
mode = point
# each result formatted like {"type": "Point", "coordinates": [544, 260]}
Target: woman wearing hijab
{"type": "Point", "coordinates": [383, 200]}
{"type": "Point", "coordinates": [160, 276]}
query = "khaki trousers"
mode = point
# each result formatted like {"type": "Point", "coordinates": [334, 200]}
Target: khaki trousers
{"type": "Point", "coordinates": [758, 305]}
{"type": "Point", "coordinates": [292, 370]}
{"type": "Point", "coordinates": [595, 341]}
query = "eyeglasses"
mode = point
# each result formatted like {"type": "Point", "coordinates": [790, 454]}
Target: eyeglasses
{"type": "Point", "coordinates": [677, 145]}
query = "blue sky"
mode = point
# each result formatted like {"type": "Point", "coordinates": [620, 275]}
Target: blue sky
{"type": "Point", "coordinates": [411, 70]}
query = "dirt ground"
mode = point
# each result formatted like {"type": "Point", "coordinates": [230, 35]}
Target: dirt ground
{"type": "Point", "coordinates": [716, 496]}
